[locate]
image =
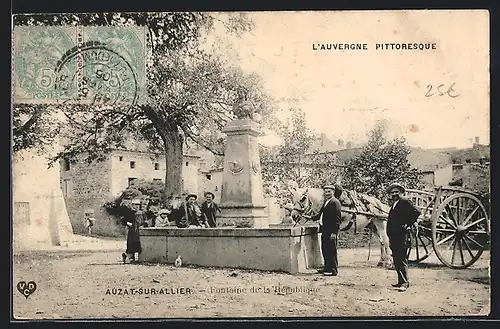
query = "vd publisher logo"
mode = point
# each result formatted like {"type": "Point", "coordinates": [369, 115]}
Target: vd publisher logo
{"type": "Point", "coordinates": [26, 289]}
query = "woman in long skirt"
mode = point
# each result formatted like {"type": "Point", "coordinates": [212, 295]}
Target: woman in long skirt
{"type": "Point", "coordinates": [134, 222]}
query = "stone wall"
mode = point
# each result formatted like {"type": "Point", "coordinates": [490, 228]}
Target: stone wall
{"type": "Point", "coordinates": [39, 211]}
{"type": "Point", "coordinates": [89, 188]}
{"type": "Point", "coordinates": [87, 180]}
{"type": "Point", "coordinates": [443, 176]}
{"type": "Point", "coordinates": [148, 166]}
{"type": "Point", "coordinates": [427, 179]}
{"type": "Point", "coordinates": [215, 183]}
{"type": "Point", "coordinates": [145, 166]}
{"type": "Point", "coordinates": [428, 160]}
{"type": "Point", "coordinates": [295, 250]}
{"type": "Point", "coordinates": [191, 175]}
{"type": "Point", "coordinates": [105, 224]}
{"type": "Point", "coordinates": [474, 176]}
{"type": "Point", "coordinates": [438, 177]}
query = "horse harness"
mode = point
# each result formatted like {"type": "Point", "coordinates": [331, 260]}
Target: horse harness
{"type": "Point", "coordinates": [308, 211]}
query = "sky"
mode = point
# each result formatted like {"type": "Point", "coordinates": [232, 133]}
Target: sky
{"type": "Point", "coordinates": [343, 93]}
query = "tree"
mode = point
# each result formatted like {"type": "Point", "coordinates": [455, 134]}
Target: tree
{"type": "Point", "coordinates": [190, 90]}
{"type": "Point", "coordinates": [143, 190]}
{"type": "Point", "coordinates": [324, 170]}
{"type": "Point", "coordinates": [380, 163]}
{"type": "Point", "coordinates": [32, 127]}
{"type": "Point", "coordinates": [291, 160]}
{"type": "Point", "coordinates": [286, 161]}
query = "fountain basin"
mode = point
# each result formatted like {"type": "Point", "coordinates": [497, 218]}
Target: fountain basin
{"type": "Point", "coordinates": [288, 249]}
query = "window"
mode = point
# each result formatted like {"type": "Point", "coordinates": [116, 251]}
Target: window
{"type": "Point", "coordinates": [66, 164]}
{"type": "Point", "coordinates": [131, 181]}
{"type": "Point", "coordinates": [22, 212]}
{"type": "Point", "coordinates": [66, 188]}
{"type": "Point", "coordinates": [209, 177]}
{"type": "Point", "coordinates": [132, 164]}
{"type": "Point", "coordinates": [158, 180]}
{"type": "Point", "coordinates": [187, 163]}
{"type": "Point", "coordinates": [120, 158]}
{"type": "Point", "coordinates": [157, 166]}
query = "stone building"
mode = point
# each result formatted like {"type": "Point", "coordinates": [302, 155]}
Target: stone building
{"type": "Point", "coordinates": [39, 211]}
{"type": "Point", "coordinates": [440, 176]}
{"type": "Point", "coordinates": [473, 176]}
{"type": "Point", "coordinates": [213, 179]}
{"type": "Point", "coordinates": [89, 186]}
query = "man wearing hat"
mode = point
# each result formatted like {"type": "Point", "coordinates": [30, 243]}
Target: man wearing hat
{"type": "Point", "coordinates": [329, 217]}
{"type": "Point", "coordinates": [402, 216]}
{"type": "Point", "coordinates": [189, 213]}
{"type": "Point", "coordinates": [209, 210]}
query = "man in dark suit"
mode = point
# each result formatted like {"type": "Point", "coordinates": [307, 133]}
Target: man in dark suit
{"type": "Point", "coordinates": [209, 210]}
{"type": "Point", "coordinates": [330, 217]}
{"type": "Point", "coordinates": [402, 216]}
{"type": "Point", "coordinates": [188, 214]}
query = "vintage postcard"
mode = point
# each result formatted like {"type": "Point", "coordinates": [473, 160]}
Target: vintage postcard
{"type": "Point", "coordinates": [250, 164]}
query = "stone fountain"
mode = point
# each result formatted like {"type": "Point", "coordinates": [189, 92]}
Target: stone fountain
{"type": "Point", "coordinates": [242, 196]}
{"type": "Point", "coordinates": [243, 238]}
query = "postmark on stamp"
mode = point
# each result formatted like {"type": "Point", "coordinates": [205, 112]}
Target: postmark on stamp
{"type": "Point", "coordinates": [94, 74]}
{"type": "Point", "coordinates": [79, 64]}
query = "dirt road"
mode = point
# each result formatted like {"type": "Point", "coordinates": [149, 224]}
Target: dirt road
{"type": "Point", "coordinates": [77, 285]}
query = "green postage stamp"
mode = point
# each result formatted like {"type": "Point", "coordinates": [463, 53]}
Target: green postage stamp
{"type": "Point", "coordinates": [79, 64]}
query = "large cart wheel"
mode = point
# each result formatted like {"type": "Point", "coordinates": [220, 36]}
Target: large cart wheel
{"type": "Point", "coordinates": [460, 230]}
{"type": "Point", "coordinates": [421, 243]}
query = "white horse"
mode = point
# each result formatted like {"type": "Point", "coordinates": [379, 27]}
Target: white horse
{"type": "Point", "coordinates": [356, 210]}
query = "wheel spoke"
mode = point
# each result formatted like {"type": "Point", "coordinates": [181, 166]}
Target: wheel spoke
{"type": "Point", "coordinates": [459, 212]}
{"type": "Point", "coordinates": [423, 244]}
{"type": "Point", "coordinates": [445, 239]}
{"type": "Point", "coordinates": [453, 253]}
{"type": "Point", "coordinates": [465, 214]}
{"type": "Point", "coordinates": [470, 215]}
{"type": "Point", "coordinates": [416, 246]}
{"type": "Point", "coordinates": [474, 241]}
{"type": "Point", "coordinates": [461, 251]}
{"type": "Point", "coordinates": [468, 248]}
{"type": "Point", "coordinates": [475, 222]}
{"type": "Point", "coordinates": [450, 213]}
{"type": "Point", "coordinates": [445, 230]}
{"type": "Point", "coordinates": [452, 245]}
{"type": "Point", "coordinates": [463, 209]}
{"type": "Point", "coordinates": [450, 223]}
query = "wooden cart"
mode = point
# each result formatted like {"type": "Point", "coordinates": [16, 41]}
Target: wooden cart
{"type": "Point", "coordinates": [454, 224]}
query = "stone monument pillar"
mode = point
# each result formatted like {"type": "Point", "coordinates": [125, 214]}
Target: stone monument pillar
{"type": "Point", "coordinates": [242, 197]}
